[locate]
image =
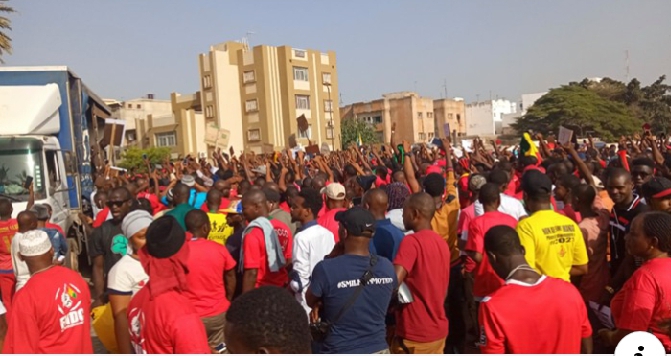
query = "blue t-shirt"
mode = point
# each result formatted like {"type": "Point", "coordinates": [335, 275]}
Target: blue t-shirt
{"type": "Point", "coordinates": [361, 330]}
{"type": "Point", "coordinates": [387, 239]}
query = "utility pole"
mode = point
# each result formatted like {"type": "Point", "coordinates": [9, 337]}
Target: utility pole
{"type": "Point", "coordinates": [626, 66]}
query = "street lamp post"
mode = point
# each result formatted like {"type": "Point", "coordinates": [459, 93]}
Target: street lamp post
{"type": "Point", "coordinates": [331, 124]}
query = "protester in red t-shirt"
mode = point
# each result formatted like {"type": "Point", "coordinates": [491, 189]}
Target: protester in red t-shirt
{"type": "Point", "coordinates": [208, 262]}
{"type": "Point", "coordinates": [335, 202]}
{"type": "Point", "coordinates": [530, 313]}
{"type": "Point", "coordinates": [161, 319]}
{"type": "Point", "coordinates": [643, 302]}
{"type": "Point", "coordinates": [260, 234]}
{"type": "Point", "coordinates": [421, 263]}
{"type": "Point", "coordinates": [486, 281]}
{"type": "Point", "coordinates": [51, 312]}
{"type": "Point", "coordinates": [8, 227]}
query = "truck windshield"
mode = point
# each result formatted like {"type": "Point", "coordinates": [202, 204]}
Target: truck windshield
{"type": "Point", "coordinates": [20, 158]}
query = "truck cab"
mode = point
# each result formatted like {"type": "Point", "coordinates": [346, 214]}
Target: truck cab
{"type": "Point", "coordinates": [48, 126]}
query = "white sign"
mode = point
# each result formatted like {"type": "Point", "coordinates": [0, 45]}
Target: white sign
{"type": "Point", "coordinates": [564, 135]}
{"type": "Point", "coordinates": [467, 145]}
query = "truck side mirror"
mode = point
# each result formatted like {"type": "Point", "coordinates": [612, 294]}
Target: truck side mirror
{"type": "Point", "coordinates": [70, 162]}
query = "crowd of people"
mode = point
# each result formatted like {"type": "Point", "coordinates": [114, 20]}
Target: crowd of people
{"type": "Point", "coordinates": [560, 248]}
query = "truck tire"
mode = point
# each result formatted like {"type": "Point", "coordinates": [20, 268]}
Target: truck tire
{"type": "Point", "coordinates": [72, 259]}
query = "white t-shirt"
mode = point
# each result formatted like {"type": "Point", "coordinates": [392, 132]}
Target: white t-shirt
{"type": "Point", "coordinates": [20, 268]}
{"type": "Point", "coordinates": [310, 247]}
{"type": "Point", "coordinates": [396, 218]}
{"type": "Point", "coordinates": [509, 205]}
{"type": "Point", "coordinates": [126, 277]}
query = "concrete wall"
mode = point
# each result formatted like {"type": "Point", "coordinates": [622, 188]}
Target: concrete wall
{"type": "Point", "coordinates": [452, 111]}
{"type": "Point", "coordinates": [485, 118]}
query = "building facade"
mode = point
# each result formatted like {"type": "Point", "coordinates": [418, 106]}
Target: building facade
{"type": "Point", "coordinates": [136, 110]}
{"type": "Point", "coordinates": [526, 101]}
{"type": "Point", "coordinates": [485, 118]}
{"type": "Point", "coordinates": [258, 93]}
{"type": "Point", "coordinates": [450, 111]}
{"type": "Point", "coordinates": [412, 114]}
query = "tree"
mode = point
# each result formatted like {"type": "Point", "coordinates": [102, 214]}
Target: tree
{"type": "Point", "coordinates": [5, 26]}
{"type": "Point", "coordinates": [351, 128]}
{"type": "Point", "coordinates": [582, 110]}
{"type": "Point", "coordinates": [132, 158]}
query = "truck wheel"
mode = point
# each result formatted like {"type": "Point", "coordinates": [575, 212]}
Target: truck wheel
{"type": "Point", "coordinates": [72, 259]}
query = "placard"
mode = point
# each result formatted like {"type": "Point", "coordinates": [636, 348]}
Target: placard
{"type": "Point", "coordinates": [564, 135]}
{"type": "Point", "coordinates": [116, 128]}
{"type": "Point", "coordinates": [312, 149]}
{"type": "Point", "coordinates": [446, 129]}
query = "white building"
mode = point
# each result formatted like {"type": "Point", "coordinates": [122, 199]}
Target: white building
{"type": "Point", "coordinates": [485, 118]}
{"type": "Point", "coordinates": [138, 109]}
{"type": "Point", "coordinates": [526, 101]}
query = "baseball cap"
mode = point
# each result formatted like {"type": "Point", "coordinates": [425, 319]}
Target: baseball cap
{"type": "Point", "coordinates": [657, 187]}
{"type": "Point", "coordinates": [235, 207]}
{"type": "Point", "coordinates": [334, 191]}
{"type": "Point", "coordinates": [34, 243]}
{"type": "Point", "coordinates": [534, 183]}
{"type": "Point", "coordinates": [189, 181]}
{"type": "Point", "coordinates": [356, 221]}
{"type": "Point", "coordinates": [477, 181]}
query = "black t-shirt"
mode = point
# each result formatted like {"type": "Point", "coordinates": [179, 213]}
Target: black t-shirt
{"type": "Point", "coordinates": [620, 224]}
{"type": "Point", "coordinates": [234, 246]}
{"type": "Point", "coordinates": [109, 241]}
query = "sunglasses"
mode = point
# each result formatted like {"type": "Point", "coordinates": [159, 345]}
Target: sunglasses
{"type": "Point", "coordinates": [116, 203]}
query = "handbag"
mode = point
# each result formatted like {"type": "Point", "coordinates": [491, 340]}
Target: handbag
{"type": "Point", "coordinates": [320, 330]}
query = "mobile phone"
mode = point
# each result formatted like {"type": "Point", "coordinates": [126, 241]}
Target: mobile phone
{"type": "Point", "coordinates": [29, 181]}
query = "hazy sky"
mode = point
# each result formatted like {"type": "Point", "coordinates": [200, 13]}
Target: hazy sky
{"type": "Point", "coordinates": [124, 49]}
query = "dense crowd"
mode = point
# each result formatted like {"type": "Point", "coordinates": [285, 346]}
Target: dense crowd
{"type": "Point", "coordinates": [560, 248]}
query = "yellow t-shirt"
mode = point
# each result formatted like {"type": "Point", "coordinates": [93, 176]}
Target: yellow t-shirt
{"type": "Point", "coordinates": [553, 243]}
{"type": "Point", "coordinates": [220, 231]}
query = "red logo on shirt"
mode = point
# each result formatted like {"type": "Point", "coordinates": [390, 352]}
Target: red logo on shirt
{"type": "Point", "coordinates": [136, 321]}
{"type": "Point", "coordinates": [562, 252]}
{"type": "Point", "coordinates": [70, 308]}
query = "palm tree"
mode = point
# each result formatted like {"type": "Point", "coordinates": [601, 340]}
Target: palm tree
{"type": "Point", "coordinates": [5, 24]}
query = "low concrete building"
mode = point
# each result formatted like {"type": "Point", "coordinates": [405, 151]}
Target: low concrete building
{"type": "Point", "coordinates": [450, 111]}
{"type": "Point", "coordinates": [526, 101]}
{"type": "Point", "coordinates": [485, 118]}
{"type": "Point", "coordinates": [412, 114]}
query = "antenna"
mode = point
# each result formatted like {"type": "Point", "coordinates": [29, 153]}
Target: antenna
{"type": "Point", "coordinates": [445, 87]}
{"type": "Point", "coordinates": [626, 66]}
{"type": "Point", "coordinates": [340, 94]}
{"type": "Point", "coordinates": [245, 39]}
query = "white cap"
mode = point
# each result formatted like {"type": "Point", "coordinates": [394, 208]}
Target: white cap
{"type": "Point", "coordinates": [334, 191]}
{"type": "Point", "coordinates": [33, 243]}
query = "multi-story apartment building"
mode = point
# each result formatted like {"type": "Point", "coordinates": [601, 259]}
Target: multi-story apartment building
{"type": "Point", "coordinates": [258, 94]}
{"type": "Point", "coordinates": [412, 114]}
{"type": "Point", "coordinates": [450, 111]}
{"type": "Point", "coordinates": [134, 110]}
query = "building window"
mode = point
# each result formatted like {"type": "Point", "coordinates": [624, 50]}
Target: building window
{"type": "Point", "coordinates": [328, 105]}
{"type": "Point", "coordinates": [377, 119]}
{"type": "Point", "coordinates": [458, 117]}
{"type": "Point", "coordinates": [329, 133]}
{"type": "Point", "coordinates": [305, 134]}
{"type": "Point", "coordinates": [429, 115]}
{"type": "Point", "coordinates": [130, 106]}
{"type": "Point", "coordinates": [138, 106]}
{"type": "Point", "coordinates": [430, 135]}
{"type": "Point", "coordinates": [209, 111]}
{"type": "Point", "coordinates": [301, 73]}
{"type": "Point", "coordinates": [422, 136]}
{"type": "Point", "coordinates": [299, 53]}
{"type": "Point", "coordinates": [251, 105]}
{"type": "Point", "coordinates": [207, 82]}
{"type": "Point", "coordinates": [326, 78]}
{"type": "Point", "coordinates": [248, 76]}
{"type": "Point", "coordinates": [449, 116]}
{"type": "Point", "coordinates": [419, 115]}
{"type": "Point", "coordinates": [166, 139]}
{"type": "Point", "coordinates": [130, 136]}
{"type": "Point", "coordinates": [302, 102]}
{"type": "Point", "coordinates": [254, 135]}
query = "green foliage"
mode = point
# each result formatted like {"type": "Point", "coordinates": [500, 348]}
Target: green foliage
{"type": "Point", "coordinates": [610, 108]}
{"type": "Point", "coordinates": [351, 128]}
{"type": "Point", "coordinates": [132, 158]}
{"type": "Point", "coordinates": [5, 27]}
